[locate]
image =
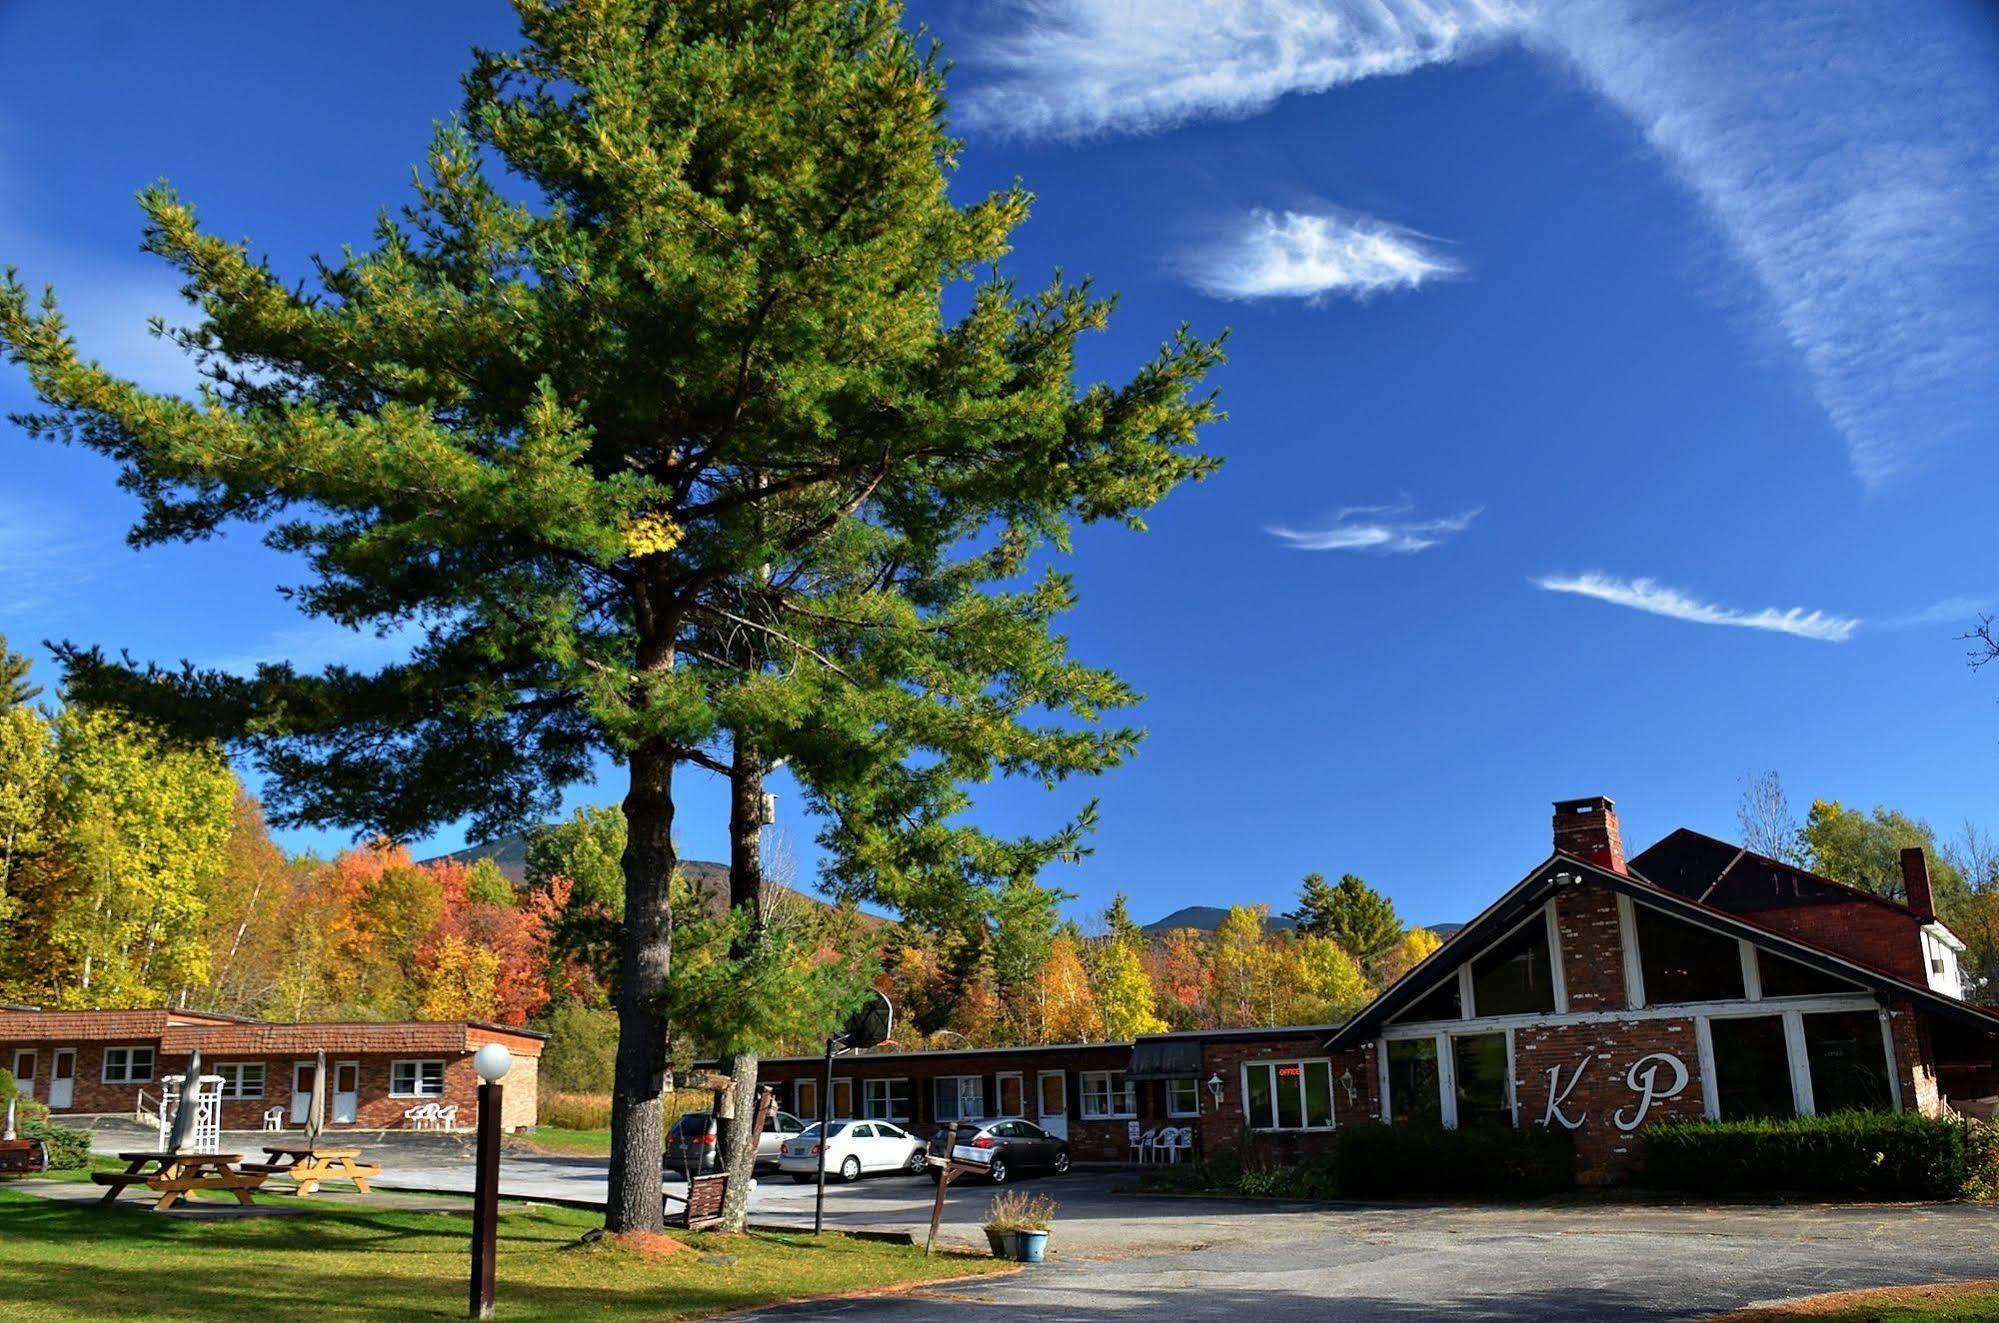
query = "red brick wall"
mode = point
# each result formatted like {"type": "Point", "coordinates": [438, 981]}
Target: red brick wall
{"type": "Point", "coordinates": [1223, 1130]}
{"type": "Point", "coordinates": [1873, 935]}
{"type": "Point", "coordinates": [1605, 1054]}
{"type": "Point", "coordinates": [1915, 1061]}
{"type": "Point", "coordinates": [1592, 948]}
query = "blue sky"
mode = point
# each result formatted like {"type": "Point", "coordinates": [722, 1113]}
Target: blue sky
{"type": "Point", "coordinates": [1612, 395]}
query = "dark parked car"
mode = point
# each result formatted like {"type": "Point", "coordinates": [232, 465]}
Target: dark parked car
{"type": "Point", "coordinates": [691, 1146]}
{"type": "Point", "coordinates": [1016, 1147]}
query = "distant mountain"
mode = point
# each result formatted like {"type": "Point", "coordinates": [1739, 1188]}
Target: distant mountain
{"type": "Point", "coordinates": [1207, 918]}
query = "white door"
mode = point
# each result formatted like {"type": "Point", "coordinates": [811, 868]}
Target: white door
{"type": "Point", "coordinates": [62, 1077]}
{"type": "Point", "coordinates": [1052, 1090]}
{"type": "Point", "coordinates": [1010, 1089]}
{"type": "Point", "coordinates": [346, 1092]}
{"type": "Point", "coordinates": [24, 1072]}
{"type": "Point", "coordinates": [301, 1091]}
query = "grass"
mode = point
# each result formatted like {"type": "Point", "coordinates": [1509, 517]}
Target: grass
{"type": "Point", "coordinates": [350, 1261]}
{"type": "Point", "coordinates": [1956, 1302]}
{"type": "Point", "coordinates": [569, 1143]}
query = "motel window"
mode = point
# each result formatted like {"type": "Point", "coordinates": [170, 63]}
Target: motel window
{"type": "Point", "coordinates": [1752, 1067]}
{"type": "Point", "coordinates": [128, 1065]}
{"type": "Point", "coordinates": [416, 1079]}
{"type": "Point", "coordinates": [1183, 1097]}
{"type": "Point", "coordinates": [1108, 1095]}
{"type": "Point", "coordinates": [1413, 1084]}
{"type": "Point", "coordinates": [1788, 978]}
{"type": "Point", "coordinates": [241, 1079]}
{"type": "Point", "coordinates": [885, 1100]}
{"type": "Point", "coordinates": [1849, 1063]}
{"type": "Point", "coordinates": [1485, 1094]}
{"type": "Point", "coordinates": [1682, 962]}
{"type": "Point", "coordinates": [1515, 977]}
{"type": "Point", "coordinates": [961, 1097]}
{"type": "Point", "coordinates": [1442, 1003]}
{"type": "Point", "coordinates": [1289, 1095]}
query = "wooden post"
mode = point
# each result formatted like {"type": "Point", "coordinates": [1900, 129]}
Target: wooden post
{"type": "Point", "coordinates": [952, 1168]}
{"type": "Point", "coordinates": [486, 1200]}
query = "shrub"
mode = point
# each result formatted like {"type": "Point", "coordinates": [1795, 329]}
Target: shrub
{"type": "Point", "coordinates": [1854, 1154]}
{"type": "Point", "coordinates": [25, 1108]}
{"type": "Point", "coordinates": [1376, 1160]}
{"type": "Point", "coordinates": [68, 1150]}
{"type": "Point", "coordinates": [1981, 1158]}
{"type": "Point", "coordinates": [581, 1051]}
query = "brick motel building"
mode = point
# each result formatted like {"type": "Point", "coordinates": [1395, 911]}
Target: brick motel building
{"type": "Point", "coordinates": [84, 1063]}
{"type": "Point", "coordinates": [1598, 994]}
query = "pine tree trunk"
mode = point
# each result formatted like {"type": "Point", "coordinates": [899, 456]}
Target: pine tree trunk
{"type": "Point", "coordinates": [739, 1142]}
{"type": "Point", "coordinates": [638, 1113]}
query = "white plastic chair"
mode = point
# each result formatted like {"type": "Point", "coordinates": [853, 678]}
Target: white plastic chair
{"type": "Point", "coordinates": [274, 1119]}
{"type": "Point", "coordinates": [1182, 1141]}
{"type": "Point", "coordinates": [447, 1117]}
{"type": "Point", "coordinates": [1142, 1145]}
{"type": "Point", "coordinates": [422, 1116]}
{"type": "Point", "coordinates": [1161, 1145]}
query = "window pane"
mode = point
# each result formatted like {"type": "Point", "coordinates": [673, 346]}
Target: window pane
{"type": "Point", "coordinates": [1290, 1096]}
{"type": "Point", "coordinates": [1259, 1097]}
{"type": "Point", "coordinates": [1752, 1072]}
{"type": "Point", "coordinates": [1514, 978]}
{"type": "Point", "coordinates": [1443, 1003]}
{"type": "Point", "coordinates": [1481, 1068]}
{"type": "Point", "coordinates": [1788, 978]}
{"type": "Point", "coordinates": [1413, 1082]}
{"type": "Point", "coordinates": [1686, 963]}
{"type": "Point", "coordinates": [1318, 1094]}
{"type": "Point", "coordinates": [1849, 1063]}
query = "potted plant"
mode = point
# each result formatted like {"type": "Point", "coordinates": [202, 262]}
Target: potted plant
{"type": "Point", "coordinates": [1017, 1227]}
{"type": "Point", "coordinates": [1000, 1220]}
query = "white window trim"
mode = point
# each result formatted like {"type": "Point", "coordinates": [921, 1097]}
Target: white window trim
{"type": "Point", "coordinates": [1855, 1001]}
{"type": "Point", "coordinates": [833, 1098]}
{"type": "Point", "coordinates": [34, 1076]}
{"type": "Point", "coordinates": [263, 1080]}
{"type": "Point", "coordinates": [1468, 1011]}
{"type": "Point", "coordinates": [416, 1076]}
{"type": "Point", "coordinates": [1040, 1096]}
{"type": "Point", "coordinates": [1634, 966]}
{"type": "Point", "coordinates": [999, 1093]}
{"type": "Point", "coordinates": [1129, 1094]}
{"type": "Point", "coordinates": [1332, 1094]}
{"type": "Point", "coordinates": [798, 1107]}
{"type": "Point", "coordinates": [957, 1082]}
{"type": "Point", "coordinates": [1557, 976]}
{"type": "Point", "coordinates": [1192, 1081]}
{"type": "Point", "coordinates": [867, 1101]}
{"type": "Point", "coordinates": [152, 1063]}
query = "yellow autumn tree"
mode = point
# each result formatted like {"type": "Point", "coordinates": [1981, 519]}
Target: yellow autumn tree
{"type": "Point", "coordinates": [1062, 997]}
{"type": "Point", "coordinates": [1414, 948]}
{"type": "Point", "coordinates": [459, 982]}
{"type": "Point", "coordinates": [1321, 983]}
{"type": "Point", "coordinates": [1124, 993]}
{"type": "Point", "coordinates": [1243, 978]}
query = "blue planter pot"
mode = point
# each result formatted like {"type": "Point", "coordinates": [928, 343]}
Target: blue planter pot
{"type": "Point", "coordinates": [1030, 1246]}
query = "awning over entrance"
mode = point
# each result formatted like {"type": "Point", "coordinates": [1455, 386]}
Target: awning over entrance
{"type": "Point", "coordinates": [1165, 1059]}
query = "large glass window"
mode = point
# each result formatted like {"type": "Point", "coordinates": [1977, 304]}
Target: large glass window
{"type": "Point", "coordinates": [1514, 978]}
{"type": "Point", "coordinates": [1108, 1095]}
{"type": "Point", "coordinates": [1441, 1003]}
{"type": "Point", "coordinates": [1183, 1097]}
{"type": "Point", "coordinates": [1752, 1068]}
{"type": "Point", "coordinates": [242, 1079]}
{"type": "Point", "coordinates": [416, 1079]}
{"type": "Point", "coordinates": [1413, 1082]}
{"type": "Point", "coordinates": [885, 1099]}
{"type": "Point", "coordinates": [128, 1065]}
{"type": "Point", "coordinates": [1682, 962]}
{"type": "Point", "coordinates": [1849, 1063]}
{"type": "Point", "coordinates": [1788, 978]}
{"type": "Point", "coordinates": [1290, 1095]}
{"type": "Point", "coordinates": [1484, 1095]}
{"type": "Point", "coordinates": [961, 1097]}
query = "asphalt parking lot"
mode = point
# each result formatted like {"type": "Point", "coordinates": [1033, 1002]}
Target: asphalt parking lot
{"type": "Point", "coordinates": [1119, 1255]}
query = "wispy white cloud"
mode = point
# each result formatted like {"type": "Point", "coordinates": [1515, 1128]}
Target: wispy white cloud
{"type": "Point", "coordinates": [312, 645]}
{"type": "Point", "coordinates": [1658, 599]}
{"type": "Point", "coordinates": [1082, 68]}
{"type": "Point", "coordinates": [1305, 255]}
{"type": "Point", "coordinates": [42, 560]}
{"type": "Point", "coordinates": [1382, 528]}
{"type": "Point", "coordinates": [1959, 611]}
{"type": "Point", "coordinates": [1845, 154]}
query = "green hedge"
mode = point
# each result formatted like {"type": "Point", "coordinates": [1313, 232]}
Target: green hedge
{"type": "Point", "coordinates": [1852, 1154]}
{"type": "Point", "coordinates": [1378, 1160]}
{"type": "Point", "coordinates": [69, 1150]}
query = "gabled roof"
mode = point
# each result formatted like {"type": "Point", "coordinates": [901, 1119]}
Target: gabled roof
{"type": "Point", "coordinates": [1534, 889]}
{"type": "Point", "coordinates": [1741, 881]}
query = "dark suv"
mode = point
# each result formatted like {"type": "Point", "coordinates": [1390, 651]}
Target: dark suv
{"type": "Point", "coordinates": [692, 1150]}
{"type": "Point", "coordinates": [1015, 1146]}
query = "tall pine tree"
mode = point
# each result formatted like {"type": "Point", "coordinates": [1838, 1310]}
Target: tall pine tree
{"type": "Point", "coordinates": [687, 370]}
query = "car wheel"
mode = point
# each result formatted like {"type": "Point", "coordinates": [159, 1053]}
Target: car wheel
{"type": "Point", "coordinates": [918, 1162]}
{"type": "Point", "coordinates": [997, 1172]}
{"type": "Point", "coordinates": [1062, 1162]}
{"type": "Point", "coordinates": [850, 1170]}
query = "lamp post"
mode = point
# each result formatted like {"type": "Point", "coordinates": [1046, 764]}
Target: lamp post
{"type": "Point", "coordinates": [492, 1062]}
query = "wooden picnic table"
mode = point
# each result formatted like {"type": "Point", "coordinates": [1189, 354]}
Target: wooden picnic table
{"type": "Point", "coordinates": [308, 1164]}
{"type": "Point", "coordinates": [173, 1175]}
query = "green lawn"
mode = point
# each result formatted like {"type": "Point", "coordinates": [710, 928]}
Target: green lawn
{"type": "Point", "coordinates": [1962, 1302]}
{"type": "Point", "coordinates": [569, 1143]}
{"type": "Point", "coordinates": [350, 1261]}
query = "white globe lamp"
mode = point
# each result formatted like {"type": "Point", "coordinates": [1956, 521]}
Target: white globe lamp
{"type": "Point", "coordinates": [492, 1062]}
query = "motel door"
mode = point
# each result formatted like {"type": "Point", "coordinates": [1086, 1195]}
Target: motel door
{"type": "Point", "coordinates": [1052, 1088]}
{"type": "Point", "coordinates": [24, 1072]}
{"type": "Point", "coordinates": [301, 1091]}
{"type": "Point", "coordinates": [62, 1077]}
{"type": "Point", "coordinates": [346, 1092]}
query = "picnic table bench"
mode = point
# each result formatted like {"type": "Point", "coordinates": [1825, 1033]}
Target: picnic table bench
{"type": "Point", "coordinates": [173, 1175]}
{"type": "Point", "coordinates": [308, 1165]}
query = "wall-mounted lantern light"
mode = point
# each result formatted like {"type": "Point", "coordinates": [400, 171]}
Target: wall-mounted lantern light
{"type": "Point", "coordinates": [1215, 1088]}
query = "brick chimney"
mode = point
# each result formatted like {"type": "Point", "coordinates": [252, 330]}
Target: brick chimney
{"type": "Point", "coordinates": [1587, 828]}
{"type": "Point", "coordinates": [1916, 882]}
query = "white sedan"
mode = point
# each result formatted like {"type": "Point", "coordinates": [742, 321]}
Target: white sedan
{"type": "Point", "coordinates": [856, 1147]}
